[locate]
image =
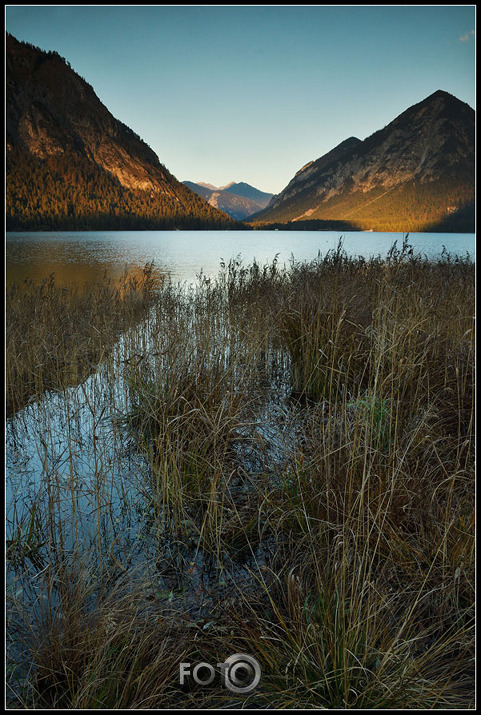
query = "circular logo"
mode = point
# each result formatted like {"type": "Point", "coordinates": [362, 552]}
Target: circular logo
{"type": "Point", "coordinates": [242, 673]}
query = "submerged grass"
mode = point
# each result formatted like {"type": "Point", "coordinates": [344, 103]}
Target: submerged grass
{"type": "Point", "coordinates": [306, 496]}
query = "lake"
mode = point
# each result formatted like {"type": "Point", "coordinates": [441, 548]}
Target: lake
{"type": "Point", "coordinates": [76, 256]}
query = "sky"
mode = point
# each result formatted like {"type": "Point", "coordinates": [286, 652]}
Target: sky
{"type": "Point", "coordinates": [252, 93]}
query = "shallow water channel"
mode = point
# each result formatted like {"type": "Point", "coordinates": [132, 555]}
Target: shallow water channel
{"type": "Point", "coordinates": [78, 499]}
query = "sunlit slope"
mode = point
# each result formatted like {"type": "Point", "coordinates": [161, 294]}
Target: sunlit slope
{"type": "Point", "coordinates": [72, 165]}
{"type": "Point", "coordinates": [415, 174]}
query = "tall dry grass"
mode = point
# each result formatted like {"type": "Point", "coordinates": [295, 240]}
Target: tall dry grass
{"type": "Point", "coordinates": [56, 335]}
{"type": "Point", "coordinates": [308, 496]}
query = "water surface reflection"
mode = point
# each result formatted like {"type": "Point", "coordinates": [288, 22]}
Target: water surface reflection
{"type": "Point", "coordinates": [86, 256]}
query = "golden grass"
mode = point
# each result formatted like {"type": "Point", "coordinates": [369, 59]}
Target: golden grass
{"type": "Point", "coordinates": [310, 432]}
{"type": "Point", "coordinates": [56, 335]}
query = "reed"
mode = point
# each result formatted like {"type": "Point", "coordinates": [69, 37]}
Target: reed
{"type": "Point", "coordinates": [56, 335]}
{"type": "Point", "coordinates": [303, 491]}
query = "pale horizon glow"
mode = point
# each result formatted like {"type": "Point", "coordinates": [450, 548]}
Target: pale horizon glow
{"type": "Point", "coordinates": [253, 93]}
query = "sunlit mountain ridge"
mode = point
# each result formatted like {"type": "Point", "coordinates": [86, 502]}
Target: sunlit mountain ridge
{"type": "Point", "coordinates": [72, 165]}
{"type": "Point", "coordinates": [415, 174]}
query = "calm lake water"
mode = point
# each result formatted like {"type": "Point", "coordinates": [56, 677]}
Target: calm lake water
{"type": "Point", "coordinates": [79, 256]}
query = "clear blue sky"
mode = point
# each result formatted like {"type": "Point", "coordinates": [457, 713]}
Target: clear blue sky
{"type": "Point", "coordinates": [252, 93]}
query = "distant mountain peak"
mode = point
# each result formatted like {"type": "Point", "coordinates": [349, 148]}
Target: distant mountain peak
{"type": "Point", "coordinates": [238, 200]}
{"type": "Point", "coordinates": [211, 187]}
{"type": "Point", "coordinates": [249, 192]}
{"type": "Point", "coordinates": [442, 94]}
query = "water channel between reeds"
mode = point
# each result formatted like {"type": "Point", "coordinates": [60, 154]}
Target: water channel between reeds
{"type": "Point", "coordinates": [291, 447]}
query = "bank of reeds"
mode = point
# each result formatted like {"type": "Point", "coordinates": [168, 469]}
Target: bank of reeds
{"type": "Point", "coordinates": [308, 435]}
{"type": "Point", "coordinates": [57, 334]}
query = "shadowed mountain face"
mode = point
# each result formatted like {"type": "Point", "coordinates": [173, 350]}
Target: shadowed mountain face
{"type": "Point", "coordinates": [239, 200]}
{"type": "Point", "coordinates": [71, 164]}
{"type": "Point", "coordinates": [261, 198]}
{"type": "Point", "coordinates": [415, 174]}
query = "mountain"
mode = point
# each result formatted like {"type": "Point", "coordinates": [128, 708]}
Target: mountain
{"type": "Point", "coordinates": [203, 190]}
{"type": "Point", "coordinates": [416, 174]}
{"type": "Point", "coordinates": [206, 186]}
{"type": "Point", "coordinates": [261, 198]}
{"type": "Point", "coordinates": [239, 200]}
{"type": "Point", "coordinates": [72, 165]}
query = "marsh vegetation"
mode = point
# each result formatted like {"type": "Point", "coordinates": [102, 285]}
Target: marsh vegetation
{"type": "Point", "coordinates": [279, 462]}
